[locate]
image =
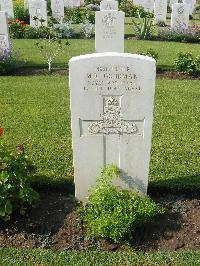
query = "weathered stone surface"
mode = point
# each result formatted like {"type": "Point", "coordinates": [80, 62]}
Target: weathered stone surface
{"type": "Point", "coordinates": [57, 7]}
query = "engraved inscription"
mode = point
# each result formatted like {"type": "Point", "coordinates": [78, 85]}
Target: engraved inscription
{"type": "Point", "coordinates": [109, 29]}
{"type": "Point", "coordinates": [112, 122]}
{"type": "Point", "coordinates": [112, 80]}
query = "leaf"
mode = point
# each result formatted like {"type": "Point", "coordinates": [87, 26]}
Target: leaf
{"type": "Point", "coordinates": [8, 207]}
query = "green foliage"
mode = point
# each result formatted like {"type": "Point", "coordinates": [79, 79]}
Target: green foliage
{"type": "Point", "coordinates": [17, 28]}
{"type": "Point", "coordinates": [15, 190]}
{"type": "Point", "coordinates": [21, 13]}
{"type": "Point", "coordinates": [132, 10]}
{"type": "Point", "coordinates": [142, 27]}
{"type": "Point", "coordinates": [150, 52]}
{"type": "Point", "coordinates": [79, 15]}
{"type": "Point", "coordinates": [113, 213]}
{"type": "Point", "coordinates": [187, 63]}
{"type": "Point", "coordinates": [9, 61]}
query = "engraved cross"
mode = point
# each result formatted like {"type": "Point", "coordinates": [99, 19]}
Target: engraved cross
{"type": "Point", "coordinates": [112, 127]}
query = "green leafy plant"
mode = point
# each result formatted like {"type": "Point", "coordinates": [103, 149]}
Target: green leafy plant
{"type": "Point", "coordinates": [17, 28]}
{"type": "Point", "coordinates": [113, 213]}
{"type": "Point", "coordinates": [150, 52]}
{"type": "Point", "coordinates": [15, 190]}
{"type": "Point", "coordinates": [142, 27]}
{"type": "Point", "coordinates": [132, 10]}
{"type": "Point", "coordinates": [22, 13]}
{"type": "Point", "coordinates": [187, 63]}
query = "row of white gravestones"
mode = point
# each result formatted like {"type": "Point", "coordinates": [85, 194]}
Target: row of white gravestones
{"type": "Point", "coordinates": [180, 16]}
{"type": "Point", "coordinates": [160, 11]}
{"type": "Point", "coordinates": [7, 5]}
{"type": "Point", "coordinates": [109, 28]}
{"type": "Point", "coordinates": [112, 103]}
{"type": "Point", "coordinates": [4, 31]}
{"type": "Point", "coordinates": [38, 12]}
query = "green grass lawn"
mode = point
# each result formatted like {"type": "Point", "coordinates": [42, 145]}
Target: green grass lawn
{"type": "Point", "coordinates": [36, 110]}
{"type": "Point", "coordinates": [166, 51]}
{"type": "Point", "coordinates": [36, 257]}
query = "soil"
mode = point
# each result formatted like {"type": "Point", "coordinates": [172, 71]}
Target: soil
{"type": "Point", "coordinates": [53, 224]}
{"type": "Point", "coordinates": [64, 72]}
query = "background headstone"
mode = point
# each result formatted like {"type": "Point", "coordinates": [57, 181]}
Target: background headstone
{"type": "Point", "coordinates": [109, 31]}
{"type": "Point", "coordinates": [148, 5]}
{"type": "Point", "coordinates": [38, 8]}
{"type": "Point", "coordinates": [160, 11]}
{"type": "Point", "coordinates": [69, 3]}
{"type": "Point", "coordinates": [109, 5]}
{"type": "Point", "coordinates": [7, 5]}
{"type": "Point", "coordinates": [112, 122]}
{"type": "Point", "coordinates": [4, 31]}
{"type": "Point", "coordinates": [171, 2]}
{"type": "Point", "coordinates": [190, 4]}
{"type": "Point", "coordinates": [57, 7]}
{"type": "Point", "coordinates": [180, 16]}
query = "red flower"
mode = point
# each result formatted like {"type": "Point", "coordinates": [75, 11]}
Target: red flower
{"type": "Point", "coordinates": [17, 20]}
{"type": "Point", "coordinates": [1, 131]}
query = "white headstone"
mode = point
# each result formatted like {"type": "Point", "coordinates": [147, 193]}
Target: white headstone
{"type": "Point", "coordinates": [4, 31]}
{"type": "Point", "coordinates": [38, 9]}
{"type": "Point", "coordinates": [180, 16]}
{"type": "Point", "coordinates": [109, 31]}
{"type": "Point", "coordinates": [76, 3]}
{"type": "Point", "coordinates": [112, 103]}
{"type": "Point", "coordinates": [190, 4]}
{"type": "Point", "coordinates": [7, 5]}
{"type": "Point", "coordinates": [57, 7]}
{"type": "Point", "coordinates": [69, 3]}
{"type": "Point", "coordinates": [148, 5]}
{"type": "Point", "coordinates": [138, 2]}
{"type": "Point", "coordinates": [160, 11]}
{"type": "Point", "coordinates": [109, 5]}
{"type": "Point", "coordinates": [173, 2]}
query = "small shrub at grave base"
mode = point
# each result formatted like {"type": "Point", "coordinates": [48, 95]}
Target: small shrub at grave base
{"type": "Point", "coordinates": [9, 61]}
{"type": "Point", "coordinates": [187, 63]}
{"type": "Point", "coordinates": [113, 213]}
{"type": "Point", "coordinates": [15, 190]}
{"type": "Point", "coordinates": [180, 34]}
{"type": "Point", "coordinates": [152, 53]}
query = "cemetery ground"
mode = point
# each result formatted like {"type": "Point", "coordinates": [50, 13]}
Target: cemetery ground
{"type": "Point", "coordinates": [35, 112]}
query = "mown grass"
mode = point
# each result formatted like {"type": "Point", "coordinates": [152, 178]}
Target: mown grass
{"type": "Point", "coordinates": [38, 257]}
{"type": "Point", "coordinates": [166, 51]}
{"type": "Point", "coordinates": [36, 110]}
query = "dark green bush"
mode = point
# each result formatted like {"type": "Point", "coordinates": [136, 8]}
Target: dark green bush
{"type": "Point", "coordinates": [113, 213]}
{"type": "Point", "coordinates": [132, 10]}
{"type": "Point", "coordinates": [15, 190]}
{"type": "Point", "coordinates": [17, 28]}
{"type": "Point", "coordinates": [21, 13]}
{"type": "Point", "coordinates": [187, 63]}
